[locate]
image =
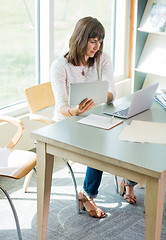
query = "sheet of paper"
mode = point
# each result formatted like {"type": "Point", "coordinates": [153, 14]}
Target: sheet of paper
{"type": "Point", "coordinates": [143, 131]}
{"type": "Point", "coordinates": [100, 121]}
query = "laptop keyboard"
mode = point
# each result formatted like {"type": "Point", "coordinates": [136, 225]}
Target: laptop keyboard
{"type": "Point", "coordinates": [122, 112]}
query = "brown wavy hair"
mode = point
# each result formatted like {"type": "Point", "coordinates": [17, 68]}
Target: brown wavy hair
{"type": "Point", "coordinates": [85, 28]}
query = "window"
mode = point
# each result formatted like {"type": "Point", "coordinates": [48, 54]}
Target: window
{"type": "Point", "coordinates": [71, 12]}
{"type": "Point", "coordinates": [121, 39]}
{"type": "Point", "coordinates": [17, 51]}
{"type": "Point", "coordinates": [111, 13]}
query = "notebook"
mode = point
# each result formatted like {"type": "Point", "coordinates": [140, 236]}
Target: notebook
{"type": "Point", "coordinates": [92, 90]}
{"type": "Point", "coordinates": [100, 121]}
{"type": "Point", "coordinates": [141, 101]}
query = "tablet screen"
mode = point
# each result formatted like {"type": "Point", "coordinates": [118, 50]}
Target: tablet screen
{"type": "Point", "coordinates": [92, 90]}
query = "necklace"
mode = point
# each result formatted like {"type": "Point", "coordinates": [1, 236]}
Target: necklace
{"type": "Point", "coordinates": [83, 71]}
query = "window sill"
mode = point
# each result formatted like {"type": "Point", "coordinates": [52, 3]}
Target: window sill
{"type": "Point", "coordinates": [16, 110]}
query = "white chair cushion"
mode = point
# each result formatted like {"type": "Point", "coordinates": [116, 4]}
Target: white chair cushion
{"type": "Point", "coordinates": [4, 155]}
{"type": "Point", "coordinates": [16, 164]}
{"type": "Point", "coordinates": [20, 157]}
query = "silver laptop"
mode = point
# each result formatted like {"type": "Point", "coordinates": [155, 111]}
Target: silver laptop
{"type": "Point", "coordinates": [141, 101]}
{"type": "Point", "coordinates": [97, 91]}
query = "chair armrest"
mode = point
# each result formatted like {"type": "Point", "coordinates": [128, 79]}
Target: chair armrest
{"type": "Point", "coordinates": [37, 117]}
{"type": "Point", "coordinates": [20, 128]}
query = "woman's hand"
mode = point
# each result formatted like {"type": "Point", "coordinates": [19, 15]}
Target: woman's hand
{"type": "Point", "coordinates": [84, 106]}
{"type": "Point", "coordinates": [109, 97]}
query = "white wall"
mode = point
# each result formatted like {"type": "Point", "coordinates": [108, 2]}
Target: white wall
{"type": "Point", "coordinates": [123, 88]}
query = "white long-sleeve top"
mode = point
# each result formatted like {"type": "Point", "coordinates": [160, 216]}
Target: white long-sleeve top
{"type": "Point", "coordinates": [64, 73]}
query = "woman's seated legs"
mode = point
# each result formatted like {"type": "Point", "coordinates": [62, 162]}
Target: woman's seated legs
{"type": "Point", "coordinates": [90, 190]}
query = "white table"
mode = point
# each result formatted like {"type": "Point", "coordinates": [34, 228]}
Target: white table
{"type": "Point", "coordinates": [102, 149]}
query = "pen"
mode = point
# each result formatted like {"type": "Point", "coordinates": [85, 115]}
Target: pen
{"type": "Point", "coordinates": [112, 118]}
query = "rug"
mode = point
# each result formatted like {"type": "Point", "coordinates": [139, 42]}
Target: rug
{"type": "Point", "coordinates": [123, 221]}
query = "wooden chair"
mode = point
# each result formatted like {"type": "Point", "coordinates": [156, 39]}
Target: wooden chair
{"type": "Point", "coordinates": [40, 97]}
{"type": "Point", "coordinates": [15, 163]}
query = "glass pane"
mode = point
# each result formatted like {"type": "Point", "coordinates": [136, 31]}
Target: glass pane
{"type": "Point", "coordinates": [68, 12]}
{"type": "Point", "coordinates": [17, 51]}
{"type": "Point", "coordinates": [120, 36]}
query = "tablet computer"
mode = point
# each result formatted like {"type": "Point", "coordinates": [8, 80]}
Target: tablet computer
{"type": "Point", "coordinates": [92, 90]}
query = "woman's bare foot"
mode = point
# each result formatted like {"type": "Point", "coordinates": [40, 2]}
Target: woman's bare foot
{"type": "Point", "coordinates": [88, 204]}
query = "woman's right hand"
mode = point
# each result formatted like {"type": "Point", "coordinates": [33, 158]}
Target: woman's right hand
{"type": "Point", "coordinates": [84, 106]}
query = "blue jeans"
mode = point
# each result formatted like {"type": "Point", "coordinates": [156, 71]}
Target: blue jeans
{"type": "Point", "coordinates": [92, 182]}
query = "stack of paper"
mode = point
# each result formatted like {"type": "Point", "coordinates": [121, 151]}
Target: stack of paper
{"type": "Point", "coordinates": [161, 99]}
{"type": "Point", "coordinates": [142, 131]}
{"type": "Point", "coordinates": [100, 121]}
{"type": "Point", "coordinates": [156, 19]}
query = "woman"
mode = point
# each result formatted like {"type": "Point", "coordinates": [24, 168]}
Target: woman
{"type": "Point", "coordinates": [85, 61]}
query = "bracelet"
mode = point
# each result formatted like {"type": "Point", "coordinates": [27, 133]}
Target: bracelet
{"type": "Point", "coordinates": [69, 111]}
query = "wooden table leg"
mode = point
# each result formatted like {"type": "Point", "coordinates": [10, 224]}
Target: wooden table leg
{"type": "Point", "coordinates": [154, 207]}
{"type": "Point", "coordinates": [44, 179]}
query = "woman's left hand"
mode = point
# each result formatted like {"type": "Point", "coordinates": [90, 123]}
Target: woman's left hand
{"type": "Point", "coordinates": [84, 106]}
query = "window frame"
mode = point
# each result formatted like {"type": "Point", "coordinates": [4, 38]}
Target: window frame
{"type": "Point", "coordinates": [20, 108]}
{"type": "Point", "coordinates": [44, 39]}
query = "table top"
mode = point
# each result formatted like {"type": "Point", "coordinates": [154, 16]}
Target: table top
{"type": "Point", "coordinates": [105, 144]}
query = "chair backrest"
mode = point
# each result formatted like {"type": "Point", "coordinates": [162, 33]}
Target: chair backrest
{"type": "Point", "coordinates": [19, 132]}
{"type": "Point", "coordinates": [39, 97]}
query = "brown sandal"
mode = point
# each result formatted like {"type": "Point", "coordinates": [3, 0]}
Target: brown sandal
{"type": "Point", "coordinates": [96, 212]}
{"type": "Point", "coordinates": [130, 199]}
